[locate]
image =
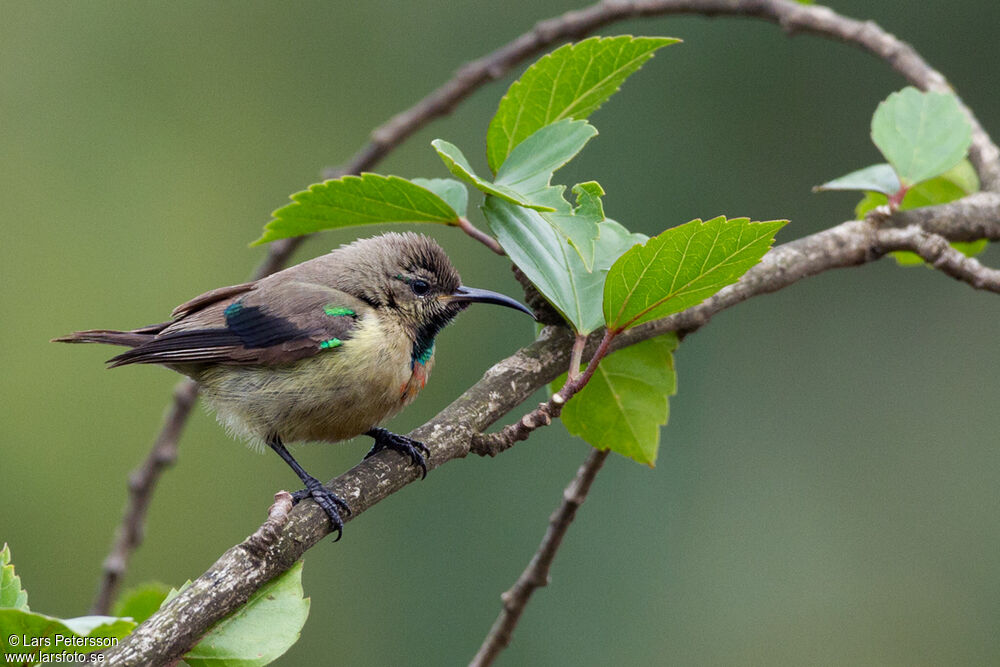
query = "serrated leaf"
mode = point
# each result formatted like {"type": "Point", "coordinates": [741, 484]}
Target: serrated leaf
{"type": "Point", "coordinates": [50, 633]}
{"type": "Point", "coordinates": [458, 164]}
{"type": "Point", "coordinates": [141, 602]}
{"type": "Point", "coordinates": [876, 178]}
{"type": "Point", "coordinates": [627, 400]}
{"type": "Point", "coordinates": [571, 82]}
{"type": "Point", "coordinates": [556, 268]}
{"type": "Point", "coordinates": [922, 135]}
{"type": "Point", "coordinates": [12, 596]}
{"type": "Point", "coordinates": [448, 189]}
{"type": "Point", "coordinates": [682, 267]}
{"type": "Point", "coordinates": [357, 200]}
{"type": "Point", "coordinates": [261, 630]}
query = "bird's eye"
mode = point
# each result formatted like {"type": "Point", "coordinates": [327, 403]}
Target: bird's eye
{"type": "Point", "coordinates": [419, 287]}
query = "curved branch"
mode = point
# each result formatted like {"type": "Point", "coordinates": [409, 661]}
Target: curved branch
{"type": "Point", "coordinates": [936, 251]}
{"type": "Point", "coordinates": [792, 16]}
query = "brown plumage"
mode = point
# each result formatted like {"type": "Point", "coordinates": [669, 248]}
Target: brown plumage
{"type": "Point", "coordinates": [324, 350]}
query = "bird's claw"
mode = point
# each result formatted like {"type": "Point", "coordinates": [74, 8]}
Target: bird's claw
{"type": "Point", "coordinates": [327, 500]}
{"type": "Point", "coordinates": [400, 443]}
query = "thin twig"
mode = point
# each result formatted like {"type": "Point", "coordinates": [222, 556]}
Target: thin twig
{"type": "Point", "coordinates": [536, 574]}
{"type": "Point", "coordinates": [141, 485]}
{"type": "Point", "coordinates": [494, 443]}
{"type": "Point", "coordinates": [480, 236]}
{"type": "Point", "coordinates": [937, 252]}
{"type": "Point", "coordinates": [579, 343]}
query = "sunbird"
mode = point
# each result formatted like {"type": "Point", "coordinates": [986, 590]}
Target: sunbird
{"type": "Point", "coordinates": [325, 350]}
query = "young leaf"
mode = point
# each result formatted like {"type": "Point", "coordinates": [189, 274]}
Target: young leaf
{"type": "Point", "coordinates": [526, 176]}
{"type": "Point", "coordinates": [258, 632]}
{"type": "Point", "coordinates": [357, 200]}
{"type": "Point", "coordinates": [141, 602]}
{"type": "Point", "coordinates": [922, 135]}
{"type": "Point", "coordinates": [544, 257]}
{"type": "Point", "coordinates": [556, 268]}
{"type": "Point", "coordinates": [627, 400]}
{"type": "Point", "coordinates": [530, 166]}
{"type": "Point", "coordinates": [957, 182]}
{"type": "Point", "coordinates": [876, 178]}
{"type": "Point", "coordinates": [12, 596]}
{"type": "Point", "coordinates": [580, 226]}
{"type": "Point", "coordinates": [682, 267]}
{"type": "Point", "coordinates": [458, 164]}
{"type": "Point", "coordinates": [571, 82]}
{"type": "Point", "coordinates": [448, 189]}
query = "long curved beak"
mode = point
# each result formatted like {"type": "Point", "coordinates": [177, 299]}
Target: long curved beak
{"type": "Point", "coordinates": [473, 295]}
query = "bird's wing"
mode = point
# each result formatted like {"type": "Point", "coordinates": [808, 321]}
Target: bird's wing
{"type": "Point", "coordinates": [209, 298]}
{"type": "Point", "coordinates": [273, 324]}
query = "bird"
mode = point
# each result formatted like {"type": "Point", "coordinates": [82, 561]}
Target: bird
{"type": "Point", "coordinates": [325, 350]}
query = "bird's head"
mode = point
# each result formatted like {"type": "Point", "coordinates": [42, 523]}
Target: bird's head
{"type": "Point", "coordinates": [410, 277]}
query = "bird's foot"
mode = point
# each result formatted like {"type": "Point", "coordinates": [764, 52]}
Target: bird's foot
{"type": "Point", "coordinates": [327, 500]}
{"type": "Point", "coordinates": [399, 443]}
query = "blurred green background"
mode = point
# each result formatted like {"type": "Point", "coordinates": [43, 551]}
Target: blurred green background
{"type": "Point", "coordinates": [827, 488]}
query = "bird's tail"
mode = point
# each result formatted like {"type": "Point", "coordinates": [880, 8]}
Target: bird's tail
{"type": "Point", "coordinates": [133, 338]}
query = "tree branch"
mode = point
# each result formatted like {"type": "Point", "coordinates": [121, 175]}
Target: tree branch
{"type": "Point", "coordinates": [935, 250]}
{"type": "Point", "coordinates": [854, 244]}
{"type": "Point", "coordinates": [536, 574]}
{"type": "Point", "coordinates": [505, 438]}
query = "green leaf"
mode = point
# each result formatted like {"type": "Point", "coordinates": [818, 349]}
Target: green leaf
{"type": "Point", "coordinates": [261, 630]}
{"type": "Point", "coordinates": [682, 267]}
{"type": "Point", "coordinates": [458, 164]}
{"type": "Point", "coordinates": [970, 248]}
{"type": "Point", "coordinates": [571, 82]}
{"type": "Point", "coordinates": [876, 178]}
{"type": "Point", "coordinates": [627, 400]}
{"type": "Point", "coordinates": [580, 226]}
{"type": "Point", "coordinates": [141, 602]}
{"type": "Point", "coordinates": [357, 200]}
{"type": "Point", "coordinates": [526, 176]}
{"type": "Point", "coordinates": [922, 135]}
{"type": "Point", "coordinates": [448, 189]}
{"type": "Point", "coordinates": [530, 166]}
{"type": "Point", "coordinates": [964, 176]}
{"type": "Point", "coordinates": [12, 596]}
{"type": "Point", "coordinates": [556, 268]}
{"type": "Point", "coordinates": [50, 634]}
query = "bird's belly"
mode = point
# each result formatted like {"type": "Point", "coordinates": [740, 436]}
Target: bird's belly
{"type": "Point", "coordinates": [332, 396]}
